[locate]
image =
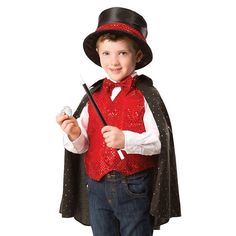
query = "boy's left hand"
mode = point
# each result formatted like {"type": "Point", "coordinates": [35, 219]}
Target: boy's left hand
{"type": "Point", "coordinates": [114, 137]}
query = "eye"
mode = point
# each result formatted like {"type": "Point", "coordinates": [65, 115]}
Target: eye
{"type": "Point", "coordinates": [123, 53]}
{"type": "Point", "coordinates": [105, 53]}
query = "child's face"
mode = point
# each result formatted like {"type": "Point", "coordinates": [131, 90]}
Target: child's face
{"type": "Point", "coordinates": [118, 58]}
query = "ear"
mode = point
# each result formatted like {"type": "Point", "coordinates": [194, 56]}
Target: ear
{"type": "Point", "coordinates": [139, 56]}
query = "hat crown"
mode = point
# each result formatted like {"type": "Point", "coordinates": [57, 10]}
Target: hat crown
{"type": "Point", "coordinates": [125, 16]}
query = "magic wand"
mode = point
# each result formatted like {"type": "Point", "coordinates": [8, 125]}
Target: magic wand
{"type": "Point", "coordinates": [97, 110]}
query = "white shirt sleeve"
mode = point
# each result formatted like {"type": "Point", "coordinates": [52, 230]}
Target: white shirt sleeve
{"type": "Point", "coordinates": [146, 143]}
{"type": "Point", "coordinates": [80, 145]}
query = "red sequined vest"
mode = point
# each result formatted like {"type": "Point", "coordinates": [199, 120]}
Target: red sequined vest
{"type": "Point", "coordinates": [125, 112]}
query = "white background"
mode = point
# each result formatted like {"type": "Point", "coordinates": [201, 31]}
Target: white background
{"type": "Point", "coordinates": [41, 56]}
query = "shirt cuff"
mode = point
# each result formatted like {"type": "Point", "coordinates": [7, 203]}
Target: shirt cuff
{"type": "Point", "coordinates": [147, 143]}
{"type": "Point", "coordinates": [78, 146]}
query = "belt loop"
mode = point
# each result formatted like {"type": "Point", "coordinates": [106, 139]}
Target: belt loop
{"type": "Point", "coordinates": [125, 177]}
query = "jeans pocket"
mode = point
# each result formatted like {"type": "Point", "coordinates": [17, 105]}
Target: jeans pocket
{"type": "Point", "coordinates": [136, 186]}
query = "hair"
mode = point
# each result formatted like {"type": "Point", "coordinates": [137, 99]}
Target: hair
{"type": "Point", "coordinates": [115, 37]}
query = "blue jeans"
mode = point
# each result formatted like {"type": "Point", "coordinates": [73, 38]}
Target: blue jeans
{"type": "Point", "coordinates": [120, 205]}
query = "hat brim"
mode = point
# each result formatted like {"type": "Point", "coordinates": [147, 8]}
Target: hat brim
{"type": "Point", "coordinates": [90, 41]}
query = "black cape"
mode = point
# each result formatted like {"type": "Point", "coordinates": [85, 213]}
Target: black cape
{"type": "Point", "coordinates": [165, 200]}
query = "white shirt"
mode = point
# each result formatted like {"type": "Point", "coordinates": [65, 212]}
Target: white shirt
{"type": "Point", "coordinates": [146, 143]}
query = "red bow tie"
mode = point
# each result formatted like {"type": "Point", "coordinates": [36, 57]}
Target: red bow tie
{"type": "Point", "coordinates": [125, 84]}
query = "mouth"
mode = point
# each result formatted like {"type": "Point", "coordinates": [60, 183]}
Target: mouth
{"type": "Point", "coordinates": [115, 70]}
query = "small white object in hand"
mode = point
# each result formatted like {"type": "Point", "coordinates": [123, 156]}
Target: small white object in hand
{"type": "Point", "coordinates": [67, 110]}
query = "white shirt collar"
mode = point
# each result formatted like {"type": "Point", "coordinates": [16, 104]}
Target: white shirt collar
{"type": "Point", "coordinates": [133, 75]}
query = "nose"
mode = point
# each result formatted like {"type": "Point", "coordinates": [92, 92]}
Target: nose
{"type": "Point", "coordinates": [114, 60]}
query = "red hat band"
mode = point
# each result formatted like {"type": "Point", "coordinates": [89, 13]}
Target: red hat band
{"type": "Point", "coordinates": [122, 27]}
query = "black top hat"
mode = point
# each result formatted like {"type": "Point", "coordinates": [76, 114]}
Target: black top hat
{"type": "Point", "coordinates": [120, 21]}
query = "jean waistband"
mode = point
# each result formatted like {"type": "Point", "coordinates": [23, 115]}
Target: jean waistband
{"type": "Point", "coordinates": [118, 175]}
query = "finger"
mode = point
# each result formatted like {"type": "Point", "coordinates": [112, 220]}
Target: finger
{"type": "Point", "coordinates": [106, 135]}
{"type": "Point", "coordinates": [107, 140]}
{"type": "Point", "coordinates": [110, 140]}
{"type": "Point", "coordinates": [69, 128]}
{"type": "Point", "coordinates": [61, 117]}
{"type": "Point", "coordinates": [67, 122]}
{"type": "Point", "coordinates": [109, 145]}
{"type": "Point", "coordinates": [106, 128]}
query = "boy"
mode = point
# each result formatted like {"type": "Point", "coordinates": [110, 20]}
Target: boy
{"type": "Point", "coordinates": [135, 195]}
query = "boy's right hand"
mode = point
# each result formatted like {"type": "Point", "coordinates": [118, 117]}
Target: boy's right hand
{"type": "Point", "coordinates": [69, 125]}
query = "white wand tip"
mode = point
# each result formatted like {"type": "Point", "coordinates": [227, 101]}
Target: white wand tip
{"type": "Point", "coordinates": [121, 154]}
{"type": "Point", "coordinates": [82, 79]}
